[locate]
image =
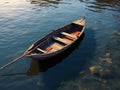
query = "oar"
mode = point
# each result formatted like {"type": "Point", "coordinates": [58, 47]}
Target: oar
{"type": "Point", "coordinates": [16, 59]}
{"type": "Point", "coordinates": [11, 62]}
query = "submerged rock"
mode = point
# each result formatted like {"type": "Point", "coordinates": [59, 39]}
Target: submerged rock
{"type": "Point", "coordinates": [100, 72]}
{"type": "Point", "coordinates": [95, 69]}
{"type": "Point", "coordinates": [102, 80]}
{"type": "Point", "coordinates": [106, 59]}
{"type": "Point", "coordinates": [107, 55]}
{"type": "Point", "coordinates": [105, 73]}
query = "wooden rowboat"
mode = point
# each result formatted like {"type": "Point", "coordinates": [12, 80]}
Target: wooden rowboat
{"type": "Point", "coordinates": [56, 41]}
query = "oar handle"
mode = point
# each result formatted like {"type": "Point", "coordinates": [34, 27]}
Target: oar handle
{"type": "Point", "coordinates": [11, 62]}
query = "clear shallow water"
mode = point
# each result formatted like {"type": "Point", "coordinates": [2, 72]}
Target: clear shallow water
{"type": "Point", "coordinates": [22, 22]}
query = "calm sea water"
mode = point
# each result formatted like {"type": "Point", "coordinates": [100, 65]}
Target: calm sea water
{"type": "Point", "coordinates": [92, 65]}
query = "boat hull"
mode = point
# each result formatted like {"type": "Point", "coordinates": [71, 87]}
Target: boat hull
{"type": "Point", "coordinates": [42, 57]}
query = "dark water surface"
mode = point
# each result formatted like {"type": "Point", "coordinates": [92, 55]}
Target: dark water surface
{"type": "Point", "coordinates": [92, 64]}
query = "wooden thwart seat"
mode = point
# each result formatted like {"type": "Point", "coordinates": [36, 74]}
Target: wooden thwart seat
{"type": "Point", "coordinates": [69, 35]}
{"type": "Point", "coordinates": [43, 51]}
{"type": "Point", "coordinates": [60, 40]}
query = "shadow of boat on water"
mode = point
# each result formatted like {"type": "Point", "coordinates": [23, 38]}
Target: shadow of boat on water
{"type": "Point", "coordinates": [42, 66]}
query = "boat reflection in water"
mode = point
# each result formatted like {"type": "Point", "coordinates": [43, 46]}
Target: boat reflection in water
{"type": "Point", "coordinates": [42, 66]}
{"type": "Point", "coordinates": [37, 66]}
